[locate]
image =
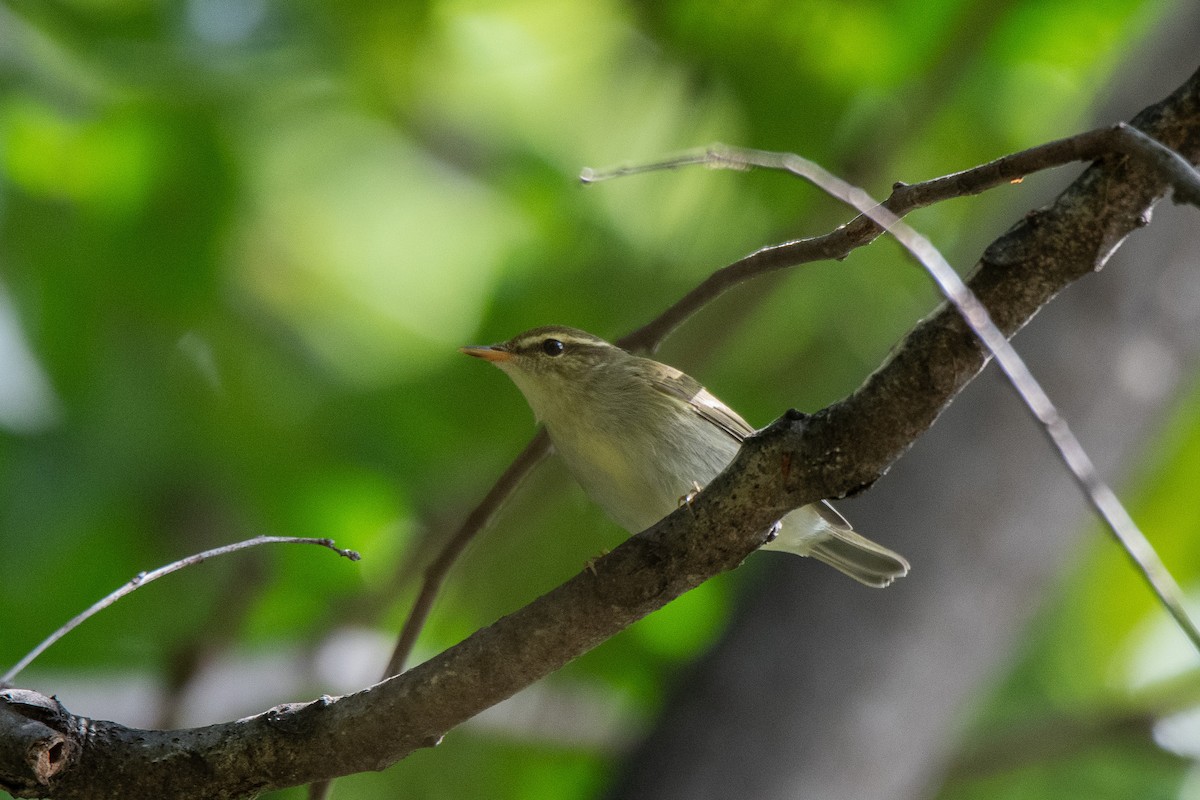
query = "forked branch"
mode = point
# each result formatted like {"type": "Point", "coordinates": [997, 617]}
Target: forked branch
{"type": "Point", "coordinates": [796, 460]}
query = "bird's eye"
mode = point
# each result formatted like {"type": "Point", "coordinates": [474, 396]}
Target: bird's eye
{"type": "Point", "coordinates": [552, 347]}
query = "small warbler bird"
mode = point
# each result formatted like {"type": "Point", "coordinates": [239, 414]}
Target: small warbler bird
{"type": "Point", "coordinates": [639, 436]}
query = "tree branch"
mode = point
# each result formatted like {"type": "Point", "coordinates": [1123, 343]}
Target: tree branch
{"type": "Point", "coordinates": [862, 230]}
{"type": "Point", "coordinates": [796, 460]}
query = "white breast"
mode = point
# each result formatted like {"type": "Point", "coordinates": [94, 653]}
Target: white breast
{"type": "Point", "coordinates": [637, 477]}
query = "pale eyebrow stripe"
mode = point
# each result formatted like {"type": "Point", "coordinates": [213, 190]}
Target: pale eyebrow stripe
{"type": "Point", "coordinates": [535, 342]}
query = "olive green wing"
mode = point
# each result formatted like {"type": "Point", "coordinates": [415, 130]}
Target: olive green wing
{"type": "Point", "coordinates": [681, 386]}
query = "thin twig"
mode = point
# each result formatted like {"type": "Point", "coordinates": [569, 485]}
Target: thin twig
{"type": "Point", "coordinates": [1099, 494]}
{"type": "Point", "coordinates": [697, 157]}
{"type": "Point", "coordinates": [1184, 178]}
{"type": "Point", "coordinates": [435, 575]}
{"type": "Point", "coordinates": [905, 198]}
{"type": "Point", "coordinates": [860, 231]}
{"type": "Point", "coordinates": [142, 578]}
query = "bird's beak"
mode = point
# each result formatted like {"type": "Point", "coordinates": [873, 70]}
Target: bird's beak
{"type": "Point", "coordinates": [493, 352]}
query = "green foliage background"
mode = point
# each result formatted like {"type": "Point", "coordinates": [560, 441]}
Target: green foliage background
{"type": "Point", "coordinates": [240, 242]}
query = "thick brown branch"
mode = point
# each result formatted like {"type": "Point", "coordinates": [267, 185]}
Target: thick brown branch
{"type": "Point", "coordinates": [796, 460]}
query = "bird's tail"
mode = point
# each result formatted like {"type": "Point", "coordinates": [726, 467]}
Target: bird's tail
{"type": "Point", "coordinates": [835, 543]}
{"type": "Point", "coordinates": [860, 558]}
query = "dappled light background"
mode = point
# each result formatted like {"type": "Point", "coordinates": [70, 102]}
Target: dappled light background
{"type": "Point", "coordinates": [240, 242]}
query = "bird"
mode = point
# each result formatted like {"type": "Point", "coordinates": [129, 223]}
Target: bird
{"type": "Point", "coordinates": [639, 435]}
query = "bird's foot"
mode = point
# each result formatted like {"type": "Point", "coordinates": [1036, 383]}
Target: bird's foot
{"type": "Point", "coordinates": [687, 499]}
{"type": "Point", "coordinates": [590, 564]}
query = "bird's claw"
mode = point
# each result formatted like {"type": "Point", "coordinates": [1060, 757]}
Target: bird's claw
{"type": "Point", "coordinates": [590, 564]}
{"type": "Point", "coordinates": [687, 499]}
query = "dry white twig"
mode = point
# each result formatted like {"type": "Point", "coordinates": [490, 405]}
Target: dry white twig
{"type": "Point", "coordinates": [142, 578]}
